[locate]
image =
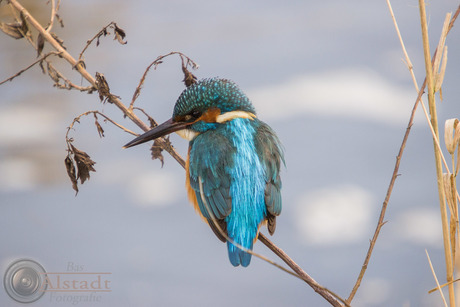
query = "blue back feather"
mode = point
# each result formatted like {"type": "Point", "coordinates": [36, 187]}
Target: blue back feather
{"type": "Point", "coordinates": [246, 190]}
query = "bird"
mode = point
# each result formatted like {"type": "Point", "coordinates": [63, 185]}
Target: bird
{"type": "Point", "coordinates": [233, 162]}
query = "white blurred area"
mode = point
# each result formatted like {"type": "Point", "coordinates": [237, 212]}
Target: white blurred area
{"type": "Point", "coordinates": [357, 93]}
{"type": "Point", "coordinates": [149, 189]}
{"type": "Point", "coordinates": [334, 216]}
{"type": "Point", "coordinates": [421, 226]}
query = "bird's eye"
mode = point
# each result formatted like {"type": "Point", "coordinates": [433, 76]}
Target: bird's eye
{"type": "Point", "coordinates": [195, 114]}
{"type": "Point", "coordinates": [192, 116]}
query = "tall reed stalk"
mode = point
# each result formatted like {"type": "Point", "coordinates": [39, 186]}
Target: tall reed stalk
{"type": "Point", "coordinates": [431, 87]}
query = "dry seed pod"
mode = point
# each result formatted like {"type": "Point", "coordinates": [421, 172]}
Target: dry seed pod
{"type": "Point", "coordinates": [451, 134]}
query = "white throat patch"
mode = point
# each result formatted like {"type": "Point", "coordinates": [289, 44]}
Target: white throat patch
{"type": "Point", "coordinates": [187, 134]}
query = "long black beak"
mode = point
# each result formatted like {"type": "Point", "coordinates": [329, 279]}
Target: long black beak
{"type": "Point", "coordinates": [165, 128]}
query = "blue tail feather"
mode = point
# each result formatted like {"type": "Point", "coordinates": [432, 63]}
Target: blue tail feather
{"type": "Point", "coordinates": [238, 256]}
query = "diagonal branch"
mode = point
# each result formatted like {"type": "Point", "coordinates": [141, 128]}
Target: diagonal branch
{"type": "Point", "coordinates": [85, 74]}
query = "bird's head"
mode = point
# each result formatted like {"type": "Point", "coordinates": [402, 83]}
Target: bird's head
{"type": "Point", "coordinates": [201, 107]}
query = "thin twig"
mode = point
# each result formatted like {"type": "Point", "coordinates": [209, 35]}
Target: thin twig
{"type": "Point", "coordinates": [68, 85]}
{"type": "Point", "coordinates": [53, 15]}
{"type": "Point", "coordinates": [153, 123]}
{"type": "Point", "coordinates": [88, 43]}
{"type": "Point", "coordinates": [77, 120]}
{"type": "Point", "coordinates": [436, 279]}
{"type": "Point", "coordinates": [401, 41]}
{"type": "Point", "coordinates": [155, 64]}
{"type": "Point", "coordinates": [137, 92]}
{"type": "Point", "coordinates": [30, 66]}
{"type": "Point", "coordinates": [442, 286]}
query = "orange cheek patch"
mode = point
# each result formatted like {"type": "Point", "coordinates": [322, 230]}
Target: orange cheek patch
{"type": "Point", "coordinates": [210, 116]}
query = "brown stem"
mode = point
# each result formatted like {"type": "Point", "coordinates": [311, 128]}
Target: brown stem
{"type": "Point", "coordinates": [381, 221]}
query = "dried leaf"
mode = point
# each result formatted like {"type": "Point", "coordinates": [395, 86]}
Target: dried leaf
{"type": "Point", "coordinates": [156, 151]}
{"type": "Point", "coordinates": [24, 26]}
{"type": "Point", "coordinates": [120, 39]}
{"type": "Point", "coordinates": [52, 73]}
{"type": "Point", "coordinates": [453, 231]}
{"type": "Point", "coordinates": [152, 122]}
{"type": "Point", "coordinates": [69, 165]}
{"type": "Point", "coordinates": [448, 181]}
{"type": "Point", "coordinates": [189, 78]}
{"type": "Point", "coordinates": [458, 160]}
{"type": "Point", "coordinates": [16, 30]}
{"type": "Point", "coordinates": [451, 134]}
{"type": "Point", "coordinates": [120, 34]}
{"type": "Point", "coordinates": [42, 67]}
{"type": "Point", "coordinates": [12, 29]}
{"type": "Point", "coordinates": [102, 87]}
{"type": "Point", "coordinates": [441, 43]}
{"type": "Point", "coordinates": [104, 33]}
{"type": "Point", "coordinates": [40, 44]}
{"type": "Point", "coordinates": [457, 135]}
{"type": "Point", "coordinates": [84, 164]}
{"type": "Point", "coordinates": [439, 77]}
{"type": "Point", "coordinates": [98, 126]}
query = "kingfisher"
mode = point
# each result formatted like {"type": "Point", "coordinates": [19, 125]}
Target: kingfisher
{"type": "Point", "coordinates": [233, 163]}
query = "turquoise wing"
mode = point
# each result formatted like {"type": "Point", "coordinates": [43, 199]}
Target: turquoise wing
{"type": "Point", "coordinates": [271, 153]}
{"type": "Point", "coordinates": [209, 158]}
